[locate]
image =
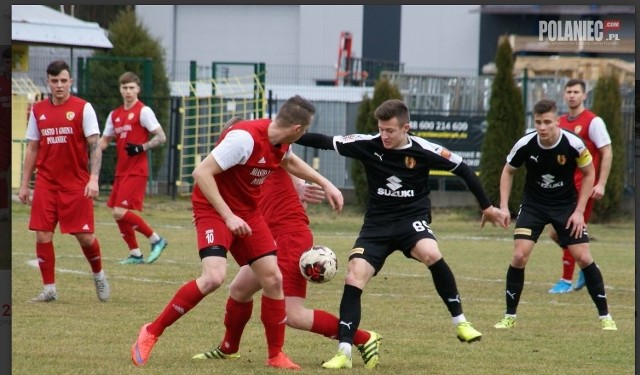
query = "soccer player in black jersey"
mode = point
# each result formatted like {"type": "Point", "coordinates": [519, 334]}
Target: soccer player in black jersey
{"type": "Point", "coordinates": [551, 156]}
{"type": "Point", "coordinates": [398, 214]}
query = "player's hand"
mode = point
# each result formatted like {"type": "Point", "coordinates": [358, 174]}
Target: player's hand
{"type": "Point", "coordinates": [24, 195]}
{"type": "Point", "coordinates": [237, 226]}
{"type": "Point", "coordinates": [334, 197]}
{"type": "Point", "coordinates": [92, 189]}
{"type": "Point", "coordinates": [133, 149]}
{"type": "Point", "coordinates": [496, 216]}
{"type": "Point", "coordinates": [577, 224]}
{"type": "Point", "coordinates": [597, 192]}
{"type": "Point", "coordinates": [310, 193]}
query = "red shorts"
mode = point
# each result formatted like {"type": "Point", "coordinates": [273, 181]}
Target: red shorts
{"type": "Point", "coordinates": [290, 246]}
{"type": "Point", "coordinates": [128, 192]}
{"type": "Point", "coordinates": [71, 209]}
{"type": "Point", "coordinates": [211, 230]}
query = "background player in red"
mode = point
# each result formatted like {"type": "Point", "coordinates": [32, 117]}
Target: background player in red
{"type": "Point", "coordinates": [225, 208]}
{"type": "Point", "coordinates": [283, 206]}
{"type": "Point", "coordinates": [593, 132]}
{"type": "Point", "coordinates": [131, 125]}
{"type": "Point", "coordinates": [5, 133]}
{"type": "Point", "coordinates": [62, 135]}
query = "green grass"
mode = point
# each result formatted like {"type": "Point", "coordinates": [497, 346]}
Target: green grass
{"type": "Point", "coordinates": [556, 334]}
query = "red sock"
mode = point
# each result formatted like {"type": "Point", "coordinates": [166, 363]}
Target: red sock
{"type": "Point", "coordinates": [92, 253]}
{"type": "Point", "coordinates": [326, 324]}
{"type": "Point", "coordinates": [47, 262]}
{"type": "Point", "coordinates": [128, 234]}
{"type": "Point", "coordinates": [182, 302]}
{"type": "Point", "coordinates": [273, 318]}
{"type": "Point", "coordinates": [568, 264]}
{"type": "Point", "coordinates": [236, 317]}
{"type": "Point", "coordinates": [137, 223]}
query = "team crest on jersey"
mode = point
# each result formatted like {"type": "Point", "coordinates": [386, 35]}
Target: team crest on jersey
{"type": "Point", "coordinates": [70, 115]}
{"type": "Point", "coordinates": [562, 159]}
{"type": "Point", "coordinates": [130, 116]}
{"type": "Point", "coordinates": [577, 129]}
{"type": "Point", "coordinates": [410, 162]}
{"type": "Point", "coordinates": [445, 153]}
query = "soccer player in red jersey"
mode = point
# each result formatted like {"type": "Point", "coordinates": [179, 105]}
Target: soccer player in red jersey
{"type": "Point", "coordinates": [283, 202]}
{"type": "Point", "coordinates": [130, 124]}
{"type": "Point", "coordinates": [593, 132]}
{"type": "Point", "coordinates": [62, 135]}
{"type": "Point", "coordinates": [225, 208]}
{"type": "Point", "coordinates": [5, 133]}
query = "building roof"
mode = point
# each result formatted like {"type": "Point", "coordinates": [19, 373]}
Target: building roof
{"type": "Point", "coordinates": [558, 9]}
{"type": "Point", "coordinates": [41, 25]}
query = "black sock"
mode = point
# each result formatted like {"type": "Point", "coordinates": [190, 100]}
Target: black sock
{"type": "Point", "coordinates": [515, 284]}
{"type": "Point", "coordinates": [595, 286]}
{"type": "Point", "coordinates": [446, 286]}
{"type": "Point", "coordinates": [350, 312]}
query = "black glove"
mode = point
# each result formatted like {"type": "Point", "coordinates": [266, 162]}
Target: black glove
{"type": "Point", "coordinates": [133, 149]}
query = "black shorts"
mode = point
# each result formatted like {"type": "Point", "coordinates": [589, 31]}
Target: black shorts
{"type": "Point", "coordinates": [533, 217]}
{"type": "Point", "coordinates": [378, 240]}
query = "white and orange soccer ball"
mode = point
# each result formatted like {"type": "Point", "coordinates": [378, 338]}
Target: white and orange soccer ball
{"type": "Point", "coordinates": [318, 264]}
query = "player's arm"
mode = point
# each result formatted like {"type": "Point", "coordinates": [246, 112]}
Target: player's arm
{"type": "Point", "coordinates": [489, 212]}
{"type": "Point", "coordinates": [203, 175]}
{"type": "Point", "coordinates": [606, 160]}
{"type": "Point", "coordinates": [300, 169]}
{"type": "Point", "coordinates": [30, 157]}
{"type": "Point", "coordinates": [506, 182]}
{"type": "Point", "coordinates": [316, 140]}
{"type": "Point", "coordinates": [95, 161]}
{"type": "Point", "coordinates": [158, 139]}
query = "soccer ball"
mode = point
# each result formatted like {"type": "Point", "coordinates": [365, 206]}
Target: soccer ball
{"type": "Point", "coordinates": [318, 264]}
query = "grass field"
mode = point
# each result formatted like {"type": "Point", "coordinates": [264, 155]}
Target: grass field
{"type": "Point", "coordinates": [556, 334]}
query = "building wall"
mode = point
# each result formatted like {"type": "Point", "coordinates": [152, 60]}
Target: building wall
{"type": "Point", "coordinates": [309, 34]}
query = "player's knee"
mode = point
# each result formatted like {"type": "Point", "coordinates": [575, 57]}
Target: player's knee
{"type": "Point", "coordinates": [296, 317]}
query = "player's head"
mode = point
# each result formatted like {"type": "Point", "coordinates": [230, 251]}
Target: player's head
{"type": "Point", "coordinates": [393, 123]}
{"type": "Point", "coordinates": [294, 118]}
{"type": "Point", "coordinates": [232, 121]}
{"type": "Point", "coordinates": [575, 93]}
{"type": "Point", "coordinates": [129, 86]}
{"type": "Point", "coordinates": [545, 118]}
{"type": "Point", "coordinates": [59, 80]}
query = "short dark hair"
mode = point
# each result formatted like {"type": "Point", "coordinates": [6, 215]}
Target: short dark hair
{"type": "Point", "coordinates": [575, 81]}
{"type": "Point", "coordinates": [544, 106]}
{"type": "Point", "coordinates": [56, 67]}
{"type": "Point", "coordinates": [6, 54]}
{"type": "Point", "coordinates": [393, 108]}
{"type": "Point", "coordinates": [296, 110]}
{"type": "Point", "coordinates": [128, 77]}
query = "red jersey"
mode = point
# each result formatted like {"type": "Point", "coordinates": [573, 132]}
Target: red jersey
{"type": "Point", "coordinates": [247, 158]}
{"type": "Point", "coordinates": [63, 156]}
{"type": "Point", "coordinates": [588, 126]}
{"type": "Point", "coordinates": [131, 125]}
{"type": "Point", "coordinates": [280, 204]}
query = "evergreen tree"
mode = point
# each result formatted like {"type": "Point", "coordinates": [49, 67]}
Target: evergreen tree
{"type": "Point", "coordinates": [132, 43]}
{"type": "Point", "coordinates": [505, 126]}
{"type": "Point", "coordinates": [366, 123]}
{"type": "Point", "coordinates": [607, 103]}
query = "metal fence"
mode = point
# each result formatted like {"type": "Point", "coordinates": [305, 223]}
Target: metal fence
{"type": "Point", "coordinates": [426, 91]}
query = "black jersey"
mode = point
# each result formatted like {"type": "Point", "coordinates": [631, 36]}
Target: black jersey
{"type": "Point", "coordinates": [398, 179]}
{"type": "Point", "coordinates": [550, 170]}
